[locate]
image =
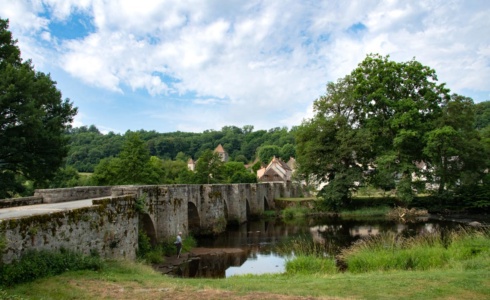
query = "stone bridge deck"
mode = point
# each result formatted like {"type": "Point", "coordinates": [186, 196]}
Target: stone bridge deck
{"type": "Point", "coordinates": [39, 209]}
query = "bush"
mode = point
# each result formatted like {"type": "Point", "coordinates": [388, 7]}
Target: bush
{"type": "Point", "coordinates": [37, 264]}
{"type": "Point", "coordinates": [294, 212]}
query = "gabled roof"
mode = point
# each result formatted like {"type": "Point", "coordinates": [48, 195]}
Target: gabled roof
{"type": "Point", "coordinates": [276, 167]}
{"type": "Point", "coordinates": [220, 149]}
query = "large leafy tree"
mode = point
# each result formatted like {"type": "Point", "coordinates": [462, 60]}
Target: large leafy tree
{"type": "Point", "coordinates": [133, 165]}
{"type": "Point", "coordinates": [453, 148]}
{"type": "Point", "coordinates": [209, 168]}
{"type": "Point", "coordinates": [33, 120]}
{"type": "Point", "coordinates": [372, 124]}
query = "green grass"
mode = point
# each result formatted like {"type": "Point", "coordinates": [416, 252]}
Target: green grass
{"type": "Point", "coordinates": [388, 251]}
{"type": "Point", "coordinates": [388, 266]}
{"type": "Point", "coordinates": [366, 212]}
{"type": "Point", "coordinates": [124, 280]}
{"type": "Point", "coordinates": [295, 212]}
{"type": "Point", "coordinates": [310, 265]}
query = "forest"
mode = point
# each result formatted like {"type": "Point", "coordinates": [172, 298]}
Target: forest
{"type": "Point", "coordinates": [88, 145]}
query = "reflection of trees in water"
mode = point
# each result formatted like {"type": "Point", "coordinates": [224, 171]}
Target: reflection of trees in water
{"type": "Point", "coordinates": [336, 233]}
{"type": "Point", "coordinates": [331, 233]}
{"type": "Point", "coordinates": [210, 265]}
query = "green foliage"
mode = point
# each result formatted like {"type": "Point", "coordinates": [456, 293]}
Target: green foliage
{"type": "Point", "coordinates": [235, 172]}
{"type": "Point", "coordinates": [6, 296]}
{"type": "Point", "coordinates": [378, 123]}
{"type": "Point", "coordinates": [147, 252]}
{"type": "Point", "coordinates": [267, 152]}
{"type": "Point", "coordinates": [482, 115]}
{"type": "Point", "coordinates": [269, 214]}
{"type": "Point", "coordinates": [66, 177]}
{"type": "Point", "coordinates": [140, 204]}
{"type": "Point", "coordinates": [37, 264]}
{"type": "Point", "coordinates": [88, 146]}
{"type": "Point", "coordinates": [209, 168]}
{"type": "Point", "coordinates": [3, 242]}
{"type": "Point", "coordinates": [288, 151]}
{"type": "Point", "coordinates": [365, 212]}
{"type": "Point", "coordinates": [155, 254]}
{"type": "Point", "coordinates": [311, 265]}
{"type": "Point", "coordinates": [389, 251]}
{"type": "Point", "coordinates": [188, 243]}
{"type": "Point", "coordinates": [33, 119]}
{"type": "Point", "coordinates": [294, 212]}
{"type": "Point", "coordinates": [132, 166]}
{"type": "Point", "coordinates": [144, 244]}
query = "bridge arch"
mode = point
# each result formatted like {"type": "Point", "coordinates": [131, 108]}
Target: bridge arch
{"type": "Point", "coordinates": [147, 225]}
{"type": "Point", "coordinates": [225, 210]}
{"type": "Point", "coordinates": [266, 204]}
{"type": "Point", "coordinates": [193, 218]}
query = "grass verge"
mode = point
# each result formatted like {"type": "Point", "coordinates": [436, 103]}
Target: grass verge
{"type": "Point", "coordinates": [125, 280]}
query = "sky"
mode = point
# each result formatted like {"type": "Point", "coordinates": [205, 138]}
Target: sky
{"type": "Point", "coordinates": [176, 65]}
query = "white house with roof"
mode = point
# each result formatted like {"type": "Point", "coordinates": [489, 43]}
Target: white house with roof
{"type": "Point", "coordinates": [277, 170]}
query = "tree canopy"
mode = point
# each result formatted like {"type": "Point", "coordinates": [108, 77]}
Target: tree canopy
{"type": "Point", "coordinates": [380, 124]}
{"type": "Point", "coordinates": [33, 120]}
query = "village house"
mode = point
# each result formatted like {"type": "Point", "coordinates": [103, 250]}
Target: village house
{"type": "Point", "coordinates": [191, 164]}
{"type": "Point", "coordinates": [222, 153]}
{"type": "Point", "coordinates": [277, 170]}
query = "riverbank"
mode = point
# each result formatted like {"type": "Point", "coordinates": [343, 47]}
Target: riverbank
{"type": "Point", "coordinates": [127, 280]}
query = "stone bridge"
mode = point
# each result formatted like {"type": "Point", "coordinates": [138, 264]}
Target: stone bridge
{"type": "Point", "coordinates": [110, 226]}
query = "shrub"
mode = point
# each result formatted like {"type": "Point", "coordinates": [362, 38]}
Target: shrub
{"type": "Point", "coordinates": [294, 212]}
{"type": "Point", "coordinates": [37, 264]}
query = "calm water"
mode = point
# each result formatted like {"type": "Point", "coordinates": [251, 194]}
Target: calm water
{"type": "Point", "coordinates": [259, 241]}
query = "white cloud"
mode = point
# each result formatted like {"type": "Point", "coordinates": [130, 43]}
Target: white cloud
{"type": "Point", "coordinates": [256, 57]}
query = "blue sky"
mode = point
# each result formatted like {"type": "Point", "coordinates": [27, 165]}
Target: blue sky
{"type": "Point", "coordinates": [198, 65]}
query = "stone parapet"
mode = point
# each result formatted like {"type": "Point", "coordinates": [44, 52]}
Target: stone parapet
{"type": "Point", "coordinates": [14, 202]}
{"type": "Point", "coordinates": [109, 228]}
{"type": "Point", "coordinates": [71, 194]}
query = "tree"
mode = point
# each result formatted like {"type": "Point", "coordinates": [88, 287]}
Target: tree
{"type": "Point", "coordinates": [132, 166]}
{"type": "Point", "coordinates": [482, 114]}
{"type": "Point", "coordinates": [235, 172]}
{"type": "Point", "coordinates": [454, 149]}
{"type": "Point", "coordinates": [266, 153]}
{"type": "Point", "coordinates": [33, 120]}
{"type": "Point", "coordinates": [208, 168]}
{"type": "Point", "coordinates": [373, 122]}
{"type": "Point", "coordinates": [288, 151]}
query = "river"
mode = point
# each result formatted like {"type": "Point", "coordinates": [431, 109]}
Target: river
{"type": "Point", "coordinates": [259, 241]}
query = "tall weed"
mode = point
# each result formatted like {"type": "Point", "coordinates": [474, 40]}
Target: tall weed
{"type": "Point", "coordinates": [389, 251]}
{"type": "Point", "coordinates": [310, 265]}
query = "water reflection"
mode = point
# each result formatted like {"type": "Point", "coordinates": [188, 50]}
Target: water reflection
{"type": "Point", "coordinates": [258, 240]}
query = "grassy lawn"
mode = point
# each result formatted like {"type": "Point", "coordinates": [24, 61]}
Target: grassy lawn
{"type": "Point", "coordinates": [126, 280]}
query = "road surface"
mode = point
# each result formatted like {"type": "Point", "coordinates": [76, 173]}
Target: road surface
{"type": "Point", "coordinates": [39, 209]}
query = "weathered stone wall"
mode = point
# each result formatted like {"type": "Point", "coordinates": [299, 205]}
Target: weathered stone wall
{"type": "Point", "coordinates": [171, 206]}
{"type": "Point", "coordinates": [13, 202]}
{"type": "Point", "coordinates": [109, 228]}
{"type": "Point", "coordinates": [71, 194]}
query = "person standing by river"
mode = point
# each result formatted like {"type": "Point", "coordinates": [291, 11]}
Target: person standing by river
{"type": "Point", "coordinates": [178, 243]}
